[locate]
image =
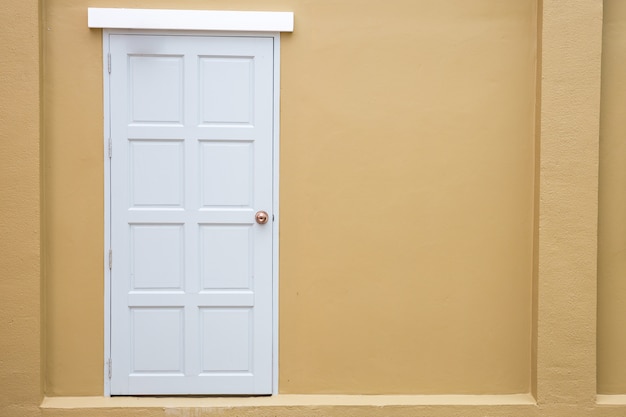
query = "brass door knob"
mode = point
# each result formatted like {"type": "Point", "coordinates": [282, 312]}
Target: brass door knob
{"type": "Point", "coordinates": [261, 217]}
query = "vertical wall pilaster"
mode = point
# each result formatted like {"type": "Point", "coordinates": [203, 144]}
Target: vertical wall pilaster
{"type": "Point", "coordinates": [566, 285]}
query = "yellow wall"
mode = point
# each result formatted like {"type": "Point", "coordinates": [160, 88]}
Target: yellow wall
{"type": "Point", "coordinates": [563, 329]}
{"type": "Point", "coordinates": [19, 209]}
{"type": "Point", "coordinates": [73, 181]}
{"type": "Point", "coordinates": [406, 192]}
{"type": "Point", "coordinates": [406, 197]}
{"type": "Point", "coordinates": [612, 222]}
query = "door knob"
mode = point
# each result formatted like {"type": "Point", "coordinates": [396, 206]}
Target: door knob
{"type": "Point", "coordinates": [261, 217]}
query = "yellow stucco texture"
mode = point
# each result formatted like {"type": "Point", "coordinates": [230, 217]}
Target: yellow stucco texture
{"type": "Point", "coordinates": [321, 268]}
{"type": "Point", "coordinates": [73, 181]}
{"type": "Point", "coordinates": [612, 200]}
{"type": "Point", "coordinates": [568, 208]}
{"type": "Point", "coordinates": [20, 209]}
{"type": "Point", "coordinates": [406, 196]}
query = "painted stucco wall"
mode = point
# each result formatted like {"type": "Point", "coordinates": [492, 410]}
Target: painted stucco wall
{"type": "Point", "coordinates": [612, 200]}
{"type": "Point", "coordinates": [406, 196]}
{"type": "Point", "coordinates": [20, 208]}
{"type": "Point", "coordinates": [564, 330]}
{"type": "Point", "coordinates": [73, 174]}
{"type": "Point", "coordinates": [571, 40]}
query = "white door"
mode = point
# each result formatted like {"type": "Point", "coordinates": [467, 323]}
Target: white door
{"type": "Point", "coordinates": [191, 120]}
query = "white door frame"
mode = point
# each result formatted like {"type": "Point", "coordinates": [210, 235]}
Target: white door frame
{"type": "Point", "coordinates": [107, 185]}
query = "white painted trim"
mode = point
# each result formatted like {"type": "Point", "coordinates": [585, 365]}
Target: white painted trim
{"type": "Point", "coordinates": [190, 20]}
{"type": "Point", "coordinates": [275, 212]}
{"type": "Point", "coordinates": [107, 214]}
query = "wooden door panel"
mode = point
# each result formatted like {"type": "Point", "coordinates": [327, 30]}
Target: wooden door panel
{"type": "Point", "coordinates": [192, 128]}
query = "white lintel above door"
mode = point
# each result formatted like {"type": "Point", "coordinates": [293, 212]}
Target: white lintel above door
{"type": "Point", "coordinates": [215, 20]}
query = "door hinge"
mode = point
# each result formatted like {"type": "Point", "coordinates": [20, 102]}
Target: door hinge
{"type": "Point", "coordinates": [110, 259]}
{"type": "Point", "coordinates": [109, 368]}
{"type": "Point", "coordinates": [110, 147]}
{"type": "Point", "coordinates": [109, 62]}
